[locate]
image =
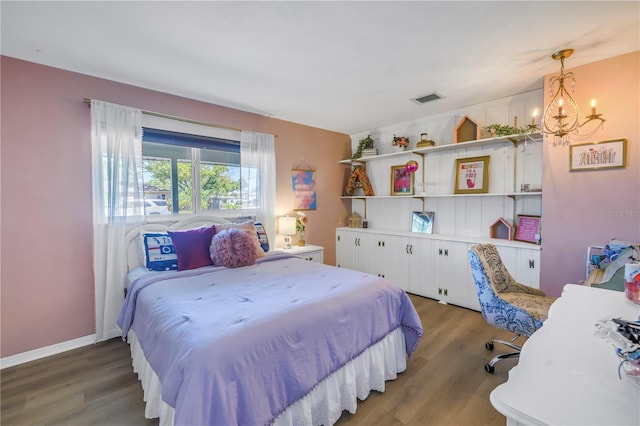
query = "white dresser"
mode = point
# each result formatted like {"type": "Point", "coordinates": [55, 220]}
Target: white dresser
{"type": "Point", "coordinates": [568, 376]}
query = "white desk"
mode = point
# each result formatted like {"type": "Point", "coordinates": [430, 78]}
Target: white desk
{"type": "Point", "coordinates": [568, 376]}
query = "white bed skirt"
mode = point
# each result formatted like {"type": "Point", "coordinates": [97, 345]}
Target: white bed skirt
{"type": "Point", "coordinates": [323, 405]}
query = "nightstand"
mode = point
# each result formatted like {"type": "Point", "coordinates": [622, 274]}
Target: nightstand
{"type": "Point", "coordinates": [306, 252]}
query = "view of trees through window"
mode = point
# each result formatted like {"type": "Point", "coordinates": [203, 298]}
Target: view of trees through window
{"type": "Point", "coordinates": [181, 174]}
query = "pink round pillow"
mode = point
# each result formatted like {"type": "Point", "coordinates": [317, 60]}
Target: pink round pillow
{"type": "Point", "coordinates": [232, 248]}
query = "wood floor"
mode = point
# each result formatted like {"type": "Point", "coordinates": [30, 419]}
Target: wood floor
{"type": "Point", "coordinates": [445, 382]}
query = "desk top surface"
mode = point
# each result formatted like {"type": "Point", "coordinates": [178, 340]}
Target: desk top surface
{"type": "Point", "coordinates": [566, 374]}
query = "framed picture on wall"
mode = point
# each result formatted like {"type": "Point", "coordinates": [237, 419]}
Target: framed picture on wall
{"type": "Point", "coordinates": [303, 184]}
{"type": "Point", "coordinates": [610, 154]}
{"type": "Point", "coordinates": [472, 175]}
{"type": "Point", "coordinates": [401, 180]}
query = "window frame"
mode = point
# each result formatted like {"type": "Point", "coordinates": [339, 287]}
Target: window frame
{"type": "Point", "coordinates": [200, 131]}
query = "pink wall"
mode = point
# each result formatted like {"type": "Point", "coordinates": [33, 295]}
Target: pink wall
{"type": "Point", "coordinates": [591, 207]}
{"type": "Point", "coordinates": [46, 236]}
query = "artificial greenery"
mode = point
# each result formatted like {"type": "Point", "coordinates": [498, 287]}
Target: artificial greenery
{"type": "Point", "coordinates": [362, 144]}
{"type": "Point", "coordinates": [504, 130]}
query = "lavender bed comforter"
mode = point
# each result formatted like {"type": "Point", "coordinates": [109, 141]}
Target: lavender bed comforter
{"type": "Point", "coordinates": [238, 346]}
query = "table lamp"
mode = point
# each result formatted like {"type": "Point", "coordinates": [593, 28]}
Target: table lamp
{"type": "Point", "coordinates": [287, 227]}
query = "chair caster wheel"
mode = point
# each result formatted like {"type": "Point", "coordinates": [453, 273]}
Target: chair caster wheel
{"type": "Point", "coordinates": [489, 346]}
{"type": "Point", "coordinates": [489, 368]}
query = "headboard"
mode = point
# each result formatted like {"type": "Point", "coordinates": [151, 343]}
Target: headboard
{"type": "Point", "coordinates": [132, 242]}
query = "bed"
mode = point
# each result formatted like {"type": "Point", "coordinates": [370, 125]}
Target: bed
{"type": "Point", "coordinates": [279, 341]}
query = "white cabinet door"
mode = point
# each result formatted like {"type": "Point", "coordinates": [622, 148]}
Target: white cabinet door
{"type": "Point", "coordinates": [368, 253]}
{"type": "Point", "coordinates": [452, 275]}
{"type": "Point", "coordinates": [421, 267]}
{"type": "Point", "coordinates": [460, 283]}
{"type": "Point", "coordinates": [474, 302]}
{"type": "Point", "coordinates": [442, 269]}
{"type": "Point", "coordinates": [347, 249]}
{"type": "Point", "coordinates": [522, 263]}
{"type": "Point", "coordinates": [529, 267]}
{"type": "Point", "coordinates": [394, 259]}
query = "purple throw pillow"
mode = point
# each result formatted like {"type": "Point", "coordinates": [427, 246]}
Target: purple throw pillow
{"type": "Point", "coordinates": [192, 247]}
{"type": "Point", "coordinates": [232, 248]}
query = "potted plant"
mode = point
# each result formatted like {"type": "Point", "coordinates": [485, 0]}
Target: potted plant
{"type": "Point", "coordinates": [301, 226]}
{"type": "Point", "coordinates": [365, 143]}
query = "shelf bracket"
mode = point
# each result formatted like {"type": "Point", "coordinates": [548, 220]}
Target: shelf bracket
{"type": "Point", "coordinates": [421, 154]}
{"type": "Point", "coordinates": [364, 204]}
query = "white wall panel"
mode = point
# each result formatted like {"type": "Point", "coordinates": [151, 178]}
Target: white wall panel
{"type": "Point", "coordinates": [457, 216]}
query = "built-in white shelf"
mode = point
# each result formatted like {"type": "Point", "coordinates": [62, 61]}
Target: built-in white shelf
{"type": "Point", "coordinates": [452, 146]}
{"type": "Point", "coordinates": [490, 194]}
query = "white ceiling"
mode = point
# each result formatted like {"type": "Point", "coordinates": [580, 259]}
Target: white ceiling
{"type": "Point", "coordinates": [343, 66]}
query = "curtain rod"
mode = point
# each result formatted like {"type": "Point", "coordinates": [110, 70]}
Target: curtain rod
{"type": "Point", "coordinates": [173, 117]}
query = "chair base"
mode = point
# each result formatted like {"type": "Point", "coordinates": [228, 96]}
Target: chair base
{"type": "Point", "coordinates": [490, 366]}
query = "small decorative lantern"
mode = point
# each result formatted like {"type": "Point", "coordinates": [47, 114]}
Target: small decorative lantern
{"type": "Point", "coordinates": [355, 220]}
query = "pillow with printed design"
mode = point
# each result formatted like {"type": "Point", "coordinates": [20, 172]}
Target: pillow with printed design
{"type": "Point", "coordinates": [159, 253]}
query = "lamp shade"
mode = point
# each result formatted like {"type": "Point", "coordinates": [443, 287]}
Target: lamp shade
{"type": "Point", "coordinates": [287, 225]}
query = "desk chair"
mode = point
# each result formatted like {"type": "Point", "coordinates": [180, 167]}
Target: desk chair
{"type": "Point", "coordinates": [504, 302]}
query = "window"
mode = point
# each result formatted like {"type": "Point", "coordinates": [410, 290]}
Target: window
{"type": "Point", "coordinates": [192, 173]}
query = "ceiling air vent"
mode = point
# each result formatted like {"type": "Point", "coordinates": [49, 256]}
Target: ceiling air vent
{"type": "Point", "coordinates": [427, 98]}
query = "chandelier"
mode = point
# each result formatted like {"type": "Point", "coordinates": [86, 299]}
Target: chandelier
{"type": "Point", "coordinates": [561, 116]}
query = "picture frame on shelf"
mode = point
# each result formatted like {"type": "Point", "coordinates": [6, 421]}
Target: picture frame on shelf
{"type": "Point", "coordinates": [472, 175]}
{"type": "Point", "coordinates": [422, 222]}
{"type": "Point", "coordinates": [610, 154]}
{"type": "Point", "coordinates": [401, 180]}
{"type": "Point", "coordinates": [528, 229]}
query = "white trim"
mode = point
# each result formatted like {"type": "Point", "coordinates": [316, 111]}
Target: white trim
{"type": "Point", "coordinates": [46, 351]}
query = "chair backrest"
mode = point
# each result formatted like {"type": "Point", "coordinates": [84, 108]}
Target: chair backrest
{"type": "Point", "coordinates": [489, 273]}
{"type": "Point", "coordinates": [499, 277]}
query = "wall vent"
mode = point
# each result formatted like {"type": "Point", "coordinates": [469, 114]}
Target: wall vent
{"type": "Point", "coordinates": [427, 98]}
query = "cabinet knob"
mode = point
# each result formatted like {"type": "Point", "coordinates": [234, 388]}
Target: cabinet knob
{"type": "Point", "coordinates": [532, 264]}
{"type": "Point", "coordinates": [439, 252]}
{"type": "Point", "coordinates": [446, 252]}
{"type": "Point", "coordinates": [446, 292]}
{"type": "Point", "coordinates": [410, 248]}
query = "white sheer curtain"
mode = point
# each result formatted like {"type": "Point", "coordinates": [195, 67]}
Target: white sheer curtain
{"type": "Point", "coordinates": [258, 171]}
{"type": "Point", "coordinates": [116, 144]}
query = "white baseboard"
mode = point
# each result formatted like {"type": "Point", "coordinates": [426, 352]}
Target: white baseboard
{"type": "Point", "coordinates": [17, 359]}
